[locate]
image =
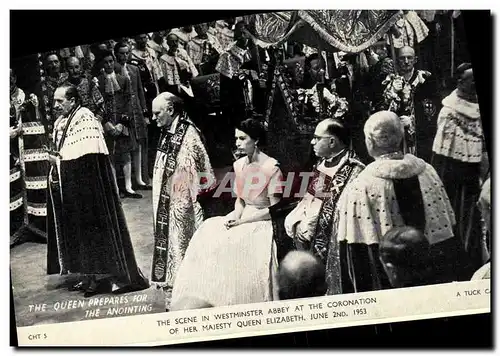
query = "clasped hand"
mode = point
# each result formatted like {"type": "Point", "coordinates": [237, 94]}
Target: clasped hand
{"type": "Point", "coordinates": [232, 223]}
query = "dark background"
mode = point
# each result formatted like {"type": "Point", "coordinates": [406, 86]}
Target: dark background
{"type": "Point", "coordinates": [33, 31]}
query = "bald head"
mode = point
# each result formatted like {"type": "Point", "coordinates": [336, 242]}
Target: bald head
{"type": "Point", "coordinates": [73, 67]}
{"type": "Point", "coordinates": [301, 275]}
{"type": "Point", "coordinates": [330, 137]}
{"type": "Point", "coordinates": [72, 60]}
{"type": "Point", "coordinates": [166, 99]}
{"type": "Point", "coordinates": [383, 133]}
{"type": "Point", "coordinates": [406, 51]}
{"type": "Point", "coordinates": [172, 42]}
{"type": "Point", "coordinates": [323, 124]}
{"type": "Point", "coordinates": [165, 107]}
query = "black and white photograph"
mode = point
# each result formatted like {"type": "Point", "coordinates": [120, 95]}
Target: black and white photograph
{"type": "Point", "coordinates": [268, 157]}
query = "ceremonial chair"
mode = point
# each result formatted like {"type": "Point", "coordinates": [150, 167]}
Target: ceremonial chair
{"type": "Point", "coordinates": [217, 205]}
{"type": "Point", "coordinates": [279, 212]}
{"type": "Point", "coordinates": [295, 69]}
{"type": "Point", "coordinates": [206, 91]}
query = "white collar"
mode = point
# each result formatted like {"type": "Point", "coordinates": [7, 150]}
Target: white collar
{"type": "Point", "coordinates": [335, 156]}
{"type": "Point", "coordinates": [174, 124]}
{"type": "Point", "coordinates": [409, 166]}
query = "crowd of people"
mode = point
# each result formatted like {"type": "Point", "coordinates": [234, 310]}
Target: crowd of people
{"type": "Point", "coordinates": [390, 201]}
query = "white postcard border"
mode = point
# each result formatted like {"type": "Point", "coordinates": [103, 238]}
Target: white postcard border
{"type": "Point", "coordinates": [418, 303]}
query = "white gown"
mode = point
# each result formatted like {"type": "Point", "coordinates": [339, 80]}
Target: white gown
{"type": "Point", "coordinates": [236, 266]}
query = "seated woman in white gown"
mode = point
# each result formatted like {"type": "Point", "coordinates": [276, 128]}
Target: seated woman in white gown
{"type": "Point", "coordinates": [232, 259]}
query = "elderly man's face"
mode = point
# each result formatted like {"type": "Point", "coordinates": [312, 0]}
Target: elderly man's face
{"type": "Point", "coordinates": [53, 64]}
{"type": "Point", "coordinates": [406, 59]}
{"type": "Point", "coordinates": [323, 143]}
{"type": "Point", "coordinates": [163, 113]}
{"type": "Point", "coordinates": [73, 68]}
{"type": "Point", "coordinates": [62, 106]}
{"type": "Point", "coordinates": [122, 55]}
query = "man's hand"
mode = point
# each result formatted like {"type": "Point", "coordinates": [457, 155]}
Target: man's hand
{"type": "Point", "coordinates": [118, 130]}
{"type": "Point", "coordinates": [301, 235]}
{"type": "Point", "coordinates": [16, 131]}
{"type": "Point", "coordinates": [52, 159]}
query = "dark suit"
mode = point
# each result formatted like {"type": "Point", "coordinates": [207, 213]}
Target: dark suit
{"type": "Point", "coordinates": [138, 101]}
{"type": "Point", "coordinates": [150, 93]}
{"type": "Point", "coordinates": [117, 110]}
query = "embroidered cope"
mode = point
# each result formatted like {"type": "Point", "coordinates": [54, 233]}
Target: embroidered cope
{"type": "Point", "coordinates": [185, 213]}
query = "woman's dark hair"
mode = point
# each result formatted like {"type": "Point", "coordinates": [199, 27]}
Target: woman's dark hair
{"type": "Point", "coordinates": [101, 54]}
{"type": "Point", "coordinates": [106, 53]}
{"type": "Point", "coordinates": [407, 248]}
{"type": "Point", "coordinates": [254, 129]}
{"type": "Point", "coordinates": [99, 58]}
